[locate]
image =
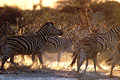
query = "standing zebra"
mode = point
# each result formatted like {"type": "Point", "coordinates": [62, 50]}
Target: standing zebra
{"type": "Point", "coordinates": [5, 30]}
{"type": "Point", "coordinates": [58, 45]}
{"type": "Point", "coordinates": [61, 44]}
{"type": "Point", "coordinates": [28, 44]}
{"type": "Point", "coordinates": [114, 58]}
{"type": "Point", "coordinates": [86, 49]}
{"type": "Point", "coordinates": [108, 40]}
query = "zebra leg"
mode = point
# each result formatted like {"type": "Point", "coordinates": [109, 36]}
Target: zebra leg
{"type": "Point", "coordinates": [80, 60]}
{"type": "Point", "coordinates": [94, 61]}
{"type": "Point", "coordinates": [58, 58]}
{"type": "Point", "coordinates": [40, 58]}
{"type": "Point", "coordinates": [114, 62]}
{"type": "Point", "coordinates": [12, 59]}
{"type": "Point", "coordinates": [33, 57]}
{"type": "Point", "coordinates": [22, 56]}
{"type": "Point", "coordinates": [4, 59]}
{"type": "Point", "coordinates": [86, 66]}
{"type": "Point", "coordinates": [111, 58]}
{"type": "Point", "coordinates": [98, 65]}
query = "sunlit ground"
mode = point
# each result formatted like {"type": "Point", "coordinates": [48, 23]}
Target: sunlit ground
{"type": "Point", "coordinates": [51, 63]}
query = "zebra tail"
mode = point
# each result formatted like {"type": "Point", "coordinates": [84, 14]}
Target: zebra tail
{"type": "Point", "coordinates": [73, 61]}
{"type": "Point", "coordinates": [110, 59]}
{"type": "Point", "coordinates": [73, 54]}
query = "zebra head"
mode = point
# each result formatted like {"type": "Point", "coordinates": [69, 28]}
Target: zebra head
{"type": "Point", "coordinates": [5, 29]}
{"type": "Point", "coordinates": [20, 22]}
{"type": "Point", "coordinates": [51, 30]}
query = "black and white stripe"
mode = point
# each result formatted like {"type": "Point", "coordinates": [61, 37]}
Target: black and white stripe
{"type": "Point", "coordinates": [30, 44]}
{"type": "Point", "coordinates": [56, 44]}
{"type": "Point", "coordinates": [107, 41]}
{"type": "Point", "coordinates": [85, 49]}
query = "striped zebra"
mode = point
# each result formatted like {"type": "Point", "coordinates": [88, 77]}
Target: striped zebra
{"type": "Point", "coordinates": [108, 40]}
{"type": "Point", "coordinates": [56, 44]}
{"type": "Point", "coordinates": [86, 49]}
{"type": "Point", "coordinates": [5, 31]}
{"type": "Point", "coordinates": [114, 58]}
{"type": "Point", "coordinates": [30, 44]}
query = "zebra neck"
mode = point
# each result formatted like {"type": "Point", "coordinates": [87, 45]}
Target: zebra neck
{"type": "Point", "coordinates": [42, 35]}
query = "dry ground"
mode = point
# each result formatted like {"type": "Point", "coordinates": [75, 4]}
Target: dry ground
{"type": "Point", "coordinates": [53, 72]}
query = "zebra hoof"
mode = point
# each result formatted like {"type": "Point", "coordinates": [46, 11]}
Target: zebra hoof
{"type": "Point", "coordinates": [110, 76]}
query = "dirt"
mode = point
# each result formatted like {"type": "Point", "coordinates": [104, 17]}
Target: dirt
{"type": "Point", "coordinates": [53, 72]}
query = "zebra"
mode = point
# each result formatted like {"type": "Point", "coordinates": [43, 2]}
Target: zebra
{"type": "Point", "coordinates": [114, 58]}
{"type": "Point", "coordinates": [56, 44]}
{"type": "Point", "coordinates": [86, 49]}
{"type": "Point", "coordinates": [5, 31]}
{"type": "Point", "coordinates": [30, 44]}
{"type": "Point", "coordinates": [64, 43]}
{"type": "Point", "coordinates": [108, 40]}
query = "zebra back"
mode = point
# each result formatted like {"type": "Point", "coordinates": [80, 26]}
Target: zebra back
{"type": "Point", "coordinates": [88, 46]}
{"type": "Point", "coordinates": [109, 40]}
{"type": "Point", "coordinates": [57, 44]}
{"type": "Point", "coordinates": [48, 29]}
{"type": "Point", "coordinates": [74, 34]}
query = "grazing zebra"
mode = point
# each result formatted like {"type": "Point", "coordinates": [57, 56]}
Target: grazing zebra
{"type": "Point", "coordinates": [86, 49]}
{"type": "Point", "coordinates": [5, 30]}
{"type": "Point", "coordinates": [30, 44]}
{"type": "Point", "coordinates": [108, 40]}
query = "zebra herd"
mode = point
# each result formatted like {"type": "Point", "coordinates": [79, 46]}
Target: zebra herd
{"type": "Point", "coordinates": [88, 49]}
{"type": "Point", "coordinates": [47, 39]}
{"type": "Point", "coordinates": [28, 44]}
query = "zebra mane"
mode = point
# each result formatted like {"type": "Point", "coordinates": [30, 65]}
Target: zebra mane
{"type": "Point", "coordinates": [113, 27]}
